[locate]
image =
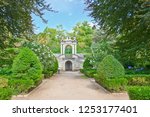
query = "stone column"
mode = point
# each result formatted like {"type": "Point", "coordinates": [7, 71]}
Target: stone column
{"type": "Point", "coordinates": [73, 49]}
{"type": "Point", "coordinates": [61, 48]}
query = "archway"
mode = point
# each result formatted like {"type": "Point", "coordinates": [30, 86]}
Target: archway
{"type": "Point", "coordinates": [68, 66]}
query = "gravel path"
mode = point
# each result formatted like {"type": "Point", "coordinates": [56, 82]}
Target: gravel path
{"type": "Point", "coordinates": [71, 86]}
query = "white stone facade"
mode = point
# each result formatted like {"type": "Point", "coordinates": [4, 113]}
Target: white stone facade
{"type": "Point", "coordinates": [72, 62]}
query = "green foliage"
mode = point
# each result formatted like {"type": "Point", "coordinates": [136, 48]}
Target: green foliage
{"type": "Point", "coordinates": [110, 68]}
{"type": "Point", "coordinates": [5, 93]}
{"type": "Point", "coordinates": [137, 72]}
{"type": "Point", "coordinates": [5, 71]}
{"type": "Point", "coordinates": [49, 37]}
{"type": "Point", "coordinates": [88, 63]}
{"type": "Point", "coordinates": [20, 85]}
{"type": "Point", "coordinates": [114, 85]}
{"type": "Point", "coordinates": [7, 56]}
{"type": "Point", "coordinates": [89, 72]}
{"type": "Point", "coordinates": [138, 80]}
{"type": "Point", "coordinates": [129, 21]}
{"type": "Point", "coordinates": [139, 92]}
{"type": "Point", "coordinates": [27, 66]}
{"type": "Point", "coordinates": [83, 32]}
{"type": "Point", "coordinates": [3, 82]}
{"type": "Point", "coordinates": [48, 60]}
{"type": "Point", "coordinates": [16, 20]}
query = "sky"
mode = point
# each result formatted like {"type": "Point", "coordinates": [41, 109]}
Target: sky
{"type": "Point", "coordinates": [69, 13]}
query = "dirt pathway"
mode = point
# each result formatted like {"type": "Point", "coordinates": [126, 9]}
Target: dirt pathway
{"type": "Point", "coordinates": [70, 86]}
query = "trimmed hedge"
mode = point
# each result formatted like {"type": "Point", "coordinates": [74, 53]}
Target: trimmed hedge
{"type": "Point", "coordinates": [3, 82]}
{"type": "Point", "coordinates": [20, 86]}
{"type": "Point", "coordinates": [114, 85]}
{"type": "Point", "coordinates": [140, 80]}
{"type": "Point", "coordinates": [110, 68]}
{"type": "Point", "coordinates": [110, 74]}
{"type": "Point", "coordinates": [89, 72]}
{"type": "Point", "coordinates": [5, 93]}
{"type": "Point", "coordinates": [27, 66]}
{"type": "Point", "coordinates": [139, 92]}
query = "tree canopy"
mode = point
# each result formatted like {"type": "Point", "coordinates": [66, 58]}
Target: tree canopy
{"type": "Point", "coordinates": [129, 21]}
{"type": "Point", "coordinates": [16, 20]}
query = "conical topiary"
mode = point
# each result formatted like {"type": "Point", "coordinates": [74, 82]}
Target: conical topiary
{"type": "Point", "coordinates": [110, 67]}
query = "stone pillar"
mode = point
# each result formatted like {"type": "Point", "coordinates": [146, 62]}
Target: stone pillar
{"type": "Point", "coordinates": [73, 49]}
{"type": "Point", "coordinates": [64, 47]}
{"type": "Point", "coordinates": [61, 48]}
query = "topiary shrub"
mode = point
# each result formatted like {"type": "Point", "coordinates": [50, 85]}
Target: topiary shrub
{"type": "Point", "coordinates": [27, 66]}
{"type": "Point", "coordinates": [110, 68]}
{"type": "Point", "coordinates": [48, 60]}
{"type": "Point", "coordinates": [110, 74]}
{"type": "Point", "coordinates": [139, 92]}
{"type": "Point", "coordinates": [5, 93]}
{"type": "Point", "coordinates": [3, 82]}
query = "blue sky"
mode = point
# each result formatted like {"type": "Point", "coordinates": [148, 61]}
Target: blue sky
{"type": "Point", "coordinates": [69, 13]}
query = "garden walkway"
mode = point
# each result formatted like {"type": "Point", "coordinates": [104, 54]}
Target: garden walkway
{"type": "Point", "coordinates": [71, 85]}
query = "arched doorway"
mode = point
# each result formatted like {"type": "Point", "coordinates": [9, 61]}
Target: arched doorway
{"type": "Point", "coordinates": [68, 66]}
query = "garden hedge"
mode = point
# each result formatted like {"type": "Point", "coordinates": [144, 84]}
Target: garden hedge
{"type": "Point", "coordinates": [139, 92]}
{"type": "Point", "coordinates": [3, 82]}
{"type": "Point", "coordinates": [20, 85]}
{"type": "Point", "coordinates": [5, 93]}
{"type": "Point", "coordinates": [138, 80]}
{"type": "Point", "coordinates": [26, 65]}
{"type": "Point", "coordinates": [114, 85]}
{"type": "Point", "coordinates": [110, 68]}
{"type": "Point", "coordinates": [110, 74]}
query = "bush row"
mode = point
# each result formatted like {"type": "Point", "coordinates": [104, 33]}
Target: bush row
{"type": "Point", "coordinates": [140, 80]}
{"type": "Point", "coordinates": [139, 92]}
{"type": "Point", "coordinates": [3, 82]}
{"type": "Point", "coordinates": [113, 85]}
{"type": "Point", "coordinates": [5, 93]}
{"type": "Point", "coordinates": [88, 72]}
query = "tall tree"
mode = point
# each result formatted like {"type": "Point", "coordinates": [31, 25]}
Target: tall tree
{"type": "Point", "coordinates": [16, 20]}
{"type": "Point", "coordinates": [83, 32]}
{"type": "Point", "coordinates": [127, 18]}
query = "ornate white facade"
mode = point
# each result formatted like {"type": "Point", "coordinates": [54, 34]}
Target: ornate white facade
{"type": "Point", "coordinates": [72, 62]}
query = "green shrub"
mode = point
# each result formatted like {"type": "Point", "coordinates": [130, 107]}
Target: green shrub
{"type": "Point", "coordinates": [5, 93]}
{"type": "Point", "coordinates": [114, 85]}
{"type": "Point", "coordinates": [7, 56]}
{"type": "Point", "coordinates": [87, 64]}
{"type": "Point", "coordinates": [27, 66]}
{"type": "Point", "coordinates": [141, 80]}
{"type": "Point", "coordinates": [110, 68]}
{"type": "Point", "coordinates": [90, 72]}
{"type": "Point", "coordinates": [48, 60]}
{"type": "Point", "coordinates": [82, 70]}
{"type": "Point", "coordinates": [20, 86]}
{"type": "Point", "coordinates": [5, 71]}
{"type": "Point", "coordinates": [3, 82]}
{"type": "Point", "coordinates": [139, 92]}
